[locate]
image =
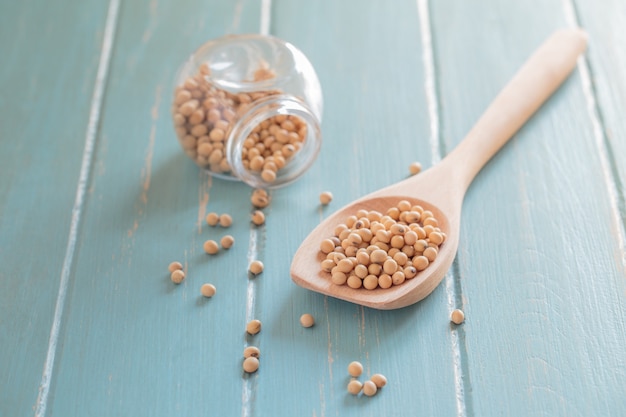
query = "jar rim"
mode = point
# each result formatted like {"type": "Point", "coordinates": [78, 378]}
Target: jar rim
{"type": "Point", "coordinates": [264, 109]}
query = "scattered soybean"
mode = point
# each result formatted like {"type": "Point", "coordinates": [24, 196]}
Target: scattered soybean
{"type": "Point", "coordinates": [307, 320]}
{"type": "Point", "coordinates": [256, 267]}
{"type": "Point", "coordinates": [253, 327]}
{"type": "Point", "coordinates": [227, 241]}
{"type": "Point", "coordinates": [212, 219]}
{"type": "Point", "coordinates": [355, 369]}
{"type": "Point", "coordinates": [177, 276]}
{"type": "Point", "coordinates": [258, 217]}
{"type": "Point", "coordinates": [211, 247]}
{"type": "Point", "coordinates": [251, 352]}
{"type": "Point", "coordinates": [225, 220]}
{"type": "Point", "coordinates": [251, 364]}
{"type": "Point", "coordinates": [369, 388]}
{"type": "Point", "coordinates": [415, 168]}
{"type": "Point", "coordinates": [326, 197]}
{"type": "Point", "coordinates": [457, 316]}
{"type": "Point", "coordinates": [207, 290]}
{"type": "Point", "coordinates": [175, 266]}
{"type": "Point", "coordinates": [354, 386]}
{"type": "Point", "coordinates": [379, 379]}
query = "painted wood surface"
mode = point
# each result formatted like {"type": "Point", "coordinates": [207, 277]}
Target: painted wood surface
{"type": "Point", "coordinates": [47, 74]}
{"type": "Point", "coordinates": [541, 266]}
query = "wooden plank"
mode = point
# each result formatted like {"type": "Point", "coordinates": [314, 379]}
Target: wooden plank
{"type": "Point", "coordinates": [133, 342]}
{"type": "Point", "coordinates": [369, 60]}
{"type": "Point", "coordinates": [50, 54]}
{"type": "Point", "coordinates": [539, 262]}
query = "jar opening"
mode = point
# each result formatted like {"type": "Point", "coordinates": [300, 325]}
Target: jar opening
{"type": "Point", "coordinates": [287, 122]}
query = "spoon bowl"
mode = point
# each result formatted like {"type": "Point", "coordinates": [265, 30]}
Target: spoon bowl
{"type": "Point", "coordinates": [441, 189]}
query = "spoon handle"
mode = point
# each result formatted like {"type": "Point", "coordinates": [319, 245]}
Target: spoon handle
{"type": "Point", "coordinates": [535, 81]}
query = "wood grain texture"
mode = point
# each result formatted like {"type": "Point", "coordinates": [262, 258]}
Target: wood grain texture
{"type": "Point", "coordinates": [49, 59]}
{"type": "Point", "coordinates": [540, 268]}
{"type": "Point", "coordinates": [542, 289]}
{"type": "Point", "coordinates": [133, 342]}
{"type": "Point", "coordinates": [369, 60]}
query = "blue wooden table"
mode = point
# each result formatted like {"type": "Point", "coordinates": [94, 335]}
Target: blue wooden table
{"type": "Point", "coordinates": [96, 198]}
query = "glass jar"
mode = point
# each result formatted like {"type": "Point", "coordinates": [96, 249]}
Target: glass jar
{"type": "Point", "coordinates": [249, 107]}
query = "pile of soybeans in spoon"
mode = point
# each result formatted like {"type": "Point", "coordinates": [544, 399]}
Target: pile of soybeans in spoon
{"type": "Point", "coordinates": [371, 250]}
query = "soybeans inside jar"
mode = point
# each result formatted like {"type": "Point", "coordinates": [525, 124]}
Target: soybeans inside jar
{"type": "Point", "coordinates": [249, 107]}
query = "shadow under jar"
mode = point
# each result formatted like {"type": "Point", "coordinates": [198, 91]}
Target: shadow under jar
{"type": "Point", "coordinates": [249, 108]}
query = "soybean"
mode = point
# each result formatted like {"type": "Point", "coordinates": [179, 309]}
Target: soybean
{"type": "Point", "coordinates": [326, 197]}
{"type": "Point", "coordinates": [369, 388]}
{"type": "Point", "coordinates": [260, 198]}
{"type": "Point", "coordinates": [258, 217]}
{"type": "Point", "coordinates": [175, 266]}
{"type": "Point", "coordinates": [210, 247]}
{"type": "Point", "coordinates": [354, 386]}
{"type": "Point", "coordinates": [251, 364]}
{"type": "Point", "coordinates": [177, 276]}
{"type": "Point", "coordinates": [253, 327]}
{"type": "Point", "coordinates": [207, 290]}
{"type": "Point", "coordinates": [457, 316]}
{"type": "Point", "coordinates": [212, 219]}
{"type": "Point", "coordinates": [227, 241]}
{"type": "Point", "coordinates": [355, 369]}
{"type": "Point", "coordinates": [256, 267]}
{"type": "Point", "coordinates": [251, 352]}
{"type": "Point", "coordinates": [415, 168]}
{"type": "Point", "coordinates": [226, 220]}
{"type": "Point", "coordinates": [307, 320]}
{"type": "Point", "coordinates": [379, 380]}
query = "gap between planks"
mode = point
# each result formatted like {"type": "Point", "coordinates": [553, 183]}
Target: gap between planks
{"type": "Point", "coordinates": [451, 280]}
{"type": "Point", "coordinates": [249, 381]}
{"type": "Point", "coordinates": [607, 160]}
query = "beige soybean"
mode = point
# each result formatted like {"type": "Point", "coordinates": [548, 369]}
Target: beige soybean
{"type": "Point", "coordinates": [212, 219]}
{"type": "Point", "coordinates": [415, 168]}
{"type": "Point", "coordinates": [258, 217]}
{"type": "Point", "coordinates": [369, 388]}
{"type": "Point", "coordinates": [251, 352]}
{"type": "Point", "coordinates": [174, 266]}
{"type": "Point", "coordinates": [177, 276]}
{"type": "Point", "coordinates": [457, 316]}
{"type": "Point", "coordinates": [253, 327]}
{"type": "Point", "coordinates": [250, 364]}
{"type": "Point", "coordinates": [326, 197]}
{"type": "Point", "coordinates": [225, 220]}
{"type": "Point", "coordinates": [227, 241]}
{"type": "Point", "coordinates": [256, 267]}
{"type": "Point", "coordinates": [207, 290]}
{"type": "Point", "coordinates": [354, 386]}
{"type": "Point", "coordinates": [370, 282]}
{"type": "Point", "coordinates": [307, 320]}
{"type": "Point", "coordinates": [379, 379]}
{"type": "Point", "coordinates": [355, 368]}
{"type": "Point", "coordinates": [211, 247]}
{"type": "Point", "coordinates": [430, 253]}
{"type": "Point", "coordinates": [354, 282]}
{"type": "Point", "coordinates": [260, 198]}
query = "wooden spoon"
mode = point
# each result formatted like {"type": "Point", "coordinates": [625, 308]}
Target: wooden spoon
{"type": "Point", "coordinates": [441, 188]}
